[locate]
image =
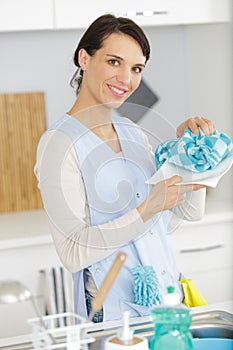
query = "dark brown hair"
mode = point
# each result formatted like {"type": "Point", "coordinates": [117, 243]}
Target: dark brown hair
{"type": "Point", "coordinates": [98, 31]}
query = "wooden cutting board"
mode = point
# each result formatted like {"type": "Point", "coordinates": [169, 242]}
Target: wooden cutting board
{"type": "Point", "coordinates": [22, 122]}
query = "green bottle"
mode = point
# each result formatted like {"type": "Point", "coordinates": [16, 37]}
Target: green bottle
{"type": "Point", "coordinates": [171, 324]}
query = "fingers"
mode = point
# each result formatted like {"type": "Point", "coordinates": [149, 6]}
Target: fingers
{"type": "Point", "coordinates": [180, 199]}
{"type": "Point", "coordinates": [210, 124]}
{"type": "Point", "coordinates": [197, 187]}
{"type": "Point", "coordinates": [180, 130]}
{"type": "Point", "coordinates": [191, 187]}
{"type": "Point", "coordinates": [206, 125]}
{"type": "Point", "coordinates": [173, 180]}
{"type": "Point", "coordinates": [193, 124]}
{"type": "Point", "coordinates": [178, 193]}
{"type": "Point", "coordinates": [177, 181]}
{"type": "Point", "coordinates": [169, 193]}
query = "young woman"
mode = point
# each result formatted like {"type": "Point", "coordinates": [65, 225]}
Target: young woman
{"type": "Point", "coordinates": [92, 169]}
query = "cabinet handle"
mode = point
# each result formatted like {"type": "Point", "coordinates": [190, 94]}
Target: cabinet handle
{"type": "Point", "coordinates": [202, 249]}
{"type": "Point", "coordinates": [146, 13]}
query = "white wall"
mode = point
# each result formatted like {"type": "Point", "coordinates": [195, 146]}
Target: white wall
{"type": "Point", "coordinates": [39, 61]}
{"type": "Point", "coordinates": [32, 61]}
{"type": "Point", "coordinates": [209, 89]}
{"type": "Point", "coordinates": [165, 73]}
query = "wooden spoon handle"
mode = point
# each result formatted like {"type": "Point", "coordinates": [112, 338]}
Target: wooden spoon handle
{"type": "Point", "coordinates": [107, 284]}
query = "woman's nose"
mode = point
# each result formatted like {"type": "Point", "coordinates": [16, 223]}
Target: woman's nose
{"type": "Point", "coordinates": [124, 75]}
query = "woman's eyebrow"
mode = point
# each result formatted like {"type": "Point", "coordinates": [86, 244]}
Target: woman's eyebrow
{"type": "Point", "coordinates": [121, 59]}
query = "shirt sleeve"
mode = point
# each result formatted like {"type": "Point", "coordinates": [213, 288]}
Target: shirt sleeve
{"type": "Point", "coordinates": [78, 243]}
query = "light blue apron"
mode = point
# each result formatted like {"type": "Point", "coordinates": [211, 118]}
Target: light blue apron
{"type": "Point", "coordinates": [115, 185]}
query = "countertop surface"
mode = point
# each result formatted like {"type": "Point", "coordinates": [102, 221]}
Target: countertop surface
{"type": "Point", "coordinates": [24, 228]}
{"type": "Point", "coordinates": [28, 228]}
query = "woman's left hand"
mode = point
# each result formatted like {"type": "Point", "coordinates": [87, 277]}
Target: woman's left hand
{"type": "Point", "coordinates": [206, 125]}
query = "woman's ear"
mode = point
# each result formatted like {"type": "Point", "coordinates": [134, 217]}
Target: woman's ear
{"type": "Point", "coordinates": [83, 58]}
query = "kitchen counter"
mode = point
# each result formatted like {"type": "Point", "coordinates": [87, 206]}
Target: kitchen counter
{"type": "Point", "coordinates": [25, 342]}
{"type": "Point", "coordinates": [29, 228]}
{"type": "Point", "coordinates": [225, 306]}
{"type": "Point", "coordinates": [24, 228]}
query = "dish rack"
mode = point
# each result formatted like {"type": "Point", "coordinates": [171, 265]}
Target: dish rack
{"type": "Point", "coordinates": [66, 331]}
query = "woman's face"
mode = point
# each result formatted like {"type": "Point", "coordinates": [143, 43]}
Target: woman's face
{"type": "Point", "coordinates": [113, 73]}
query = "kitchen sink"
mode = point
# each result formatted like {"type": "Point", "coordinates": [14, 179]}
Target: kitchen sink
{"type": "Point", "coordinates": [214, 324]}
{"type": "Point", "coordinates": [205, 326]}
{"type": "Point", "coordinates": [212, 331]}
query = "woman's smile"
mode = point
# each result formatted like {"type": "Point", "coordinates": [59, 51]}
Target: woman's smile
{"type": "Point", "coordinates": [117, 91]}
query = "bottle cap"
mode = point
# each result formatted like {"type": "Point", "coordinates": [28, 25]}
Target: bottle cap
{"type": "Point", "coordinates": [172, 297]}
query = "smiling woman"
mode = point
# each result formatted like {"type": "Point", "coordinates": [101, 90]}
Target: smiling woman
{"type": "Point", "coordinates": [93, 167]}
{"type": "Point", "coordinates": [100, 29]}
{"type": "Point", "coordinates": [112, 74]}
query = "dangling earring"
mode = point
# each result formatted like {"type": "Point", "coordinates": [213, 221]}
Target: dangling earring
{"type": "Point", "coordinates": [76, 80]}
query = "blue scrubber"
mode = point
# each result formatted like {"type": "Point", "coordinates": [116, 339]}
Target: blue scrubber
{"type": "Point", "coordinates": [146, 292]}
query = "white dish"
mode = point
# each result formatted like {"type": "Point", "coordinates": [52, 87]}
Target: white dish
{"type": "Point", "coordinates": [208, 178]}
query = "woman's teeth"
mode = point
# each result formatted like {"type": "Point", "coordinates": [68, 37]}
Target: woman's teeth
{"type": "Point", "coordinates": [117, 91]}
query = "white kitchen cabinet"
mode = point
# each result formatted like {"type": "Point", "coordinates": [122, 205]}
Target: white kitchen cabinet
{"type": "Point", "coordinates": [70, 14]}
{"type": "Point", "coordinates": [26, 15]}
{"type": "Point", "coordinates": [21, 260]}
{"type": "Point", "coordinates": [204, 252]}
{"type": "Point", "coordinates": [26, 248]}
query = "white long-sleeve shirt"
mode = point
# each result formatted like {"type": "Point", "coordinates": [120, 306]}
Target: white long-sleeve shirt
{"type": "Point", "coordinates": [77, 242]}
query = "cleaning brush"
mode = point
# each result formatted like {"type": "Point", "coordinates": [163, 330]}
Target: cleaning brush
{"type": "Point", "coordinates": [146, 282]}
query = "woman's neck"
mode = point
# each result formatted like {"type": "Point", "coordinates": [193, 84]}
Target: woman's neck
{"type": "Point", "coordinates": [97, 118]}
{"type": "Point", "coordinates": [92, 116]}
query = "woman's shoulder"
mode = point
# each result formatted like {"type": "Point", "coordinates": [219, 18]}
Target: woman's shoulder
{"type": "Point", "coordinates": [54, 147]}
{"type": "Point", "coordinates": [54, 139]}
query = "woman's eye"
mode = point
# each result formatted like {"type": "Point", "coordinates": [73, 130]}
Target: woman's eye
{"type": "Point", "coordinates": [137, 69]}
{"type": "Point", "coordinates": [113, 62]}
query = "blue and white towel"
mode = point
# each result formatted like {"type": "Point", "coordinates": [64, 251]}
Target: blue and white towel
{"type": "Point", "coordinates": [196, 153]}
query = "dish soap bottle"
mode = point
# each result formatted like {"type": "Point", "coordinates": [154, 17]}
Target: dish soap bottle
{"type": "Point", "coordinates": [171, 324]}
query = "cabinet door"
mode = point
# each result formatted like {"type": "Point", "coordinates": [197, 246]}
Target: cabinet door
{"type": "Point", "coordinates": [170, 12]}
{"type": "Point", "coordinates": [204, 253]}
{"type": "Point", "coordinates": [215, 285]}
{"type": "Point", "coordinates": [198, 11]}
{"type": "Point", "coordinates": [70, 14]}
{"type": "Point", "coordinates": [26, 14]}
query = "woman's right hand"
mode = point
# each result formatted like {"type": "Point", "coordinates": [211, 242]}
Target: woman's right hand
{"type": "Point", "coordinates": [165, 195]}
